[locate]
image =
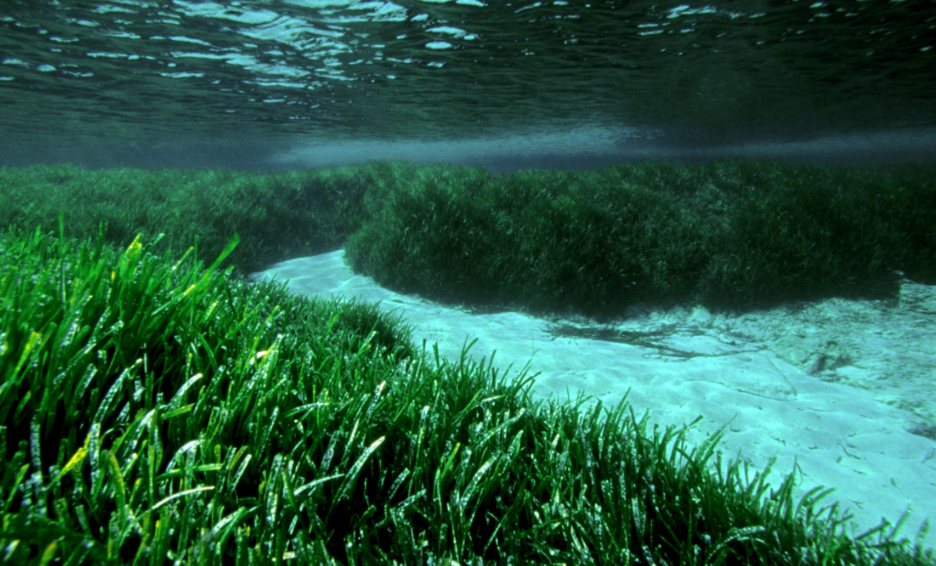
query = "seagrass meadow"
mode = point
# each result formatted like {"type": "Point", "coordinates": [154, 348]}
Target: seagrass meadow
{"type": "Point", "coordinates": [155, 408]}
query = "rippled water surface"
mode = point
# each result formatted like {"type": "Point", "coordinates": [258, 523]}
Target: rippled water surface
{"type": "Point", "coordinates": [604, 73]}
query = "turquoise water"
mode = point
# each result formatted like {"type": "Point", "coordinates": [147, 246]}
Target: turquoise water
{"type": "Point", "coordinates": [279, 84]}
{"type": "Point", "coordinates": [551, 83]}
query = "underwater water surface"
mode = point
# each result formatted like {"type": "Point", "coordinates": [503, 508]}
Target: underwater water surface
{"type": "Point", "coordinates": [300, 82]}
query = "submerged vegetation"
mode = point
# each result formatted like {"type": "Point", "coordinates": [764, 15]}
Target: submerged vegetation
{"type": "Point", "coordinates": [726, 234]}
{"type": "Point", "coordinates": [729, 234]}
{"type": "Point", "coordinates": [154, 410]}
{"type": "Point", "coordinates": [157, 412]}
{"type": "Point", "coordinates": [279, 216]}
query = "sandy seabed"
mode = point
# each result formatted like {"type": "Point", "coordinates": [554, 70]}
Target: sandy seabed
{"type": "Point", "coordinates": [842, 391]}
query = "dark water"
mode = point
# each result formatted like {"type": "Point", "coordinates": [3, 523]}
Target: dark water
{"type": "Point", "coordinates": [303, 82]}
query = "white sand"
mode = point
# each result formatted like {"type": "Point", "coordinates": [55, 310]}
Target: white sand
{"type": "Point", "coordinates": [838, 436]}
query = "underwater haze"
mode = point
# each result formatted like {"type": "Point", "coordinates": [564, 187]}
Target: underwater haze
{"type": "Point", "coordinates": [561, 84]}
